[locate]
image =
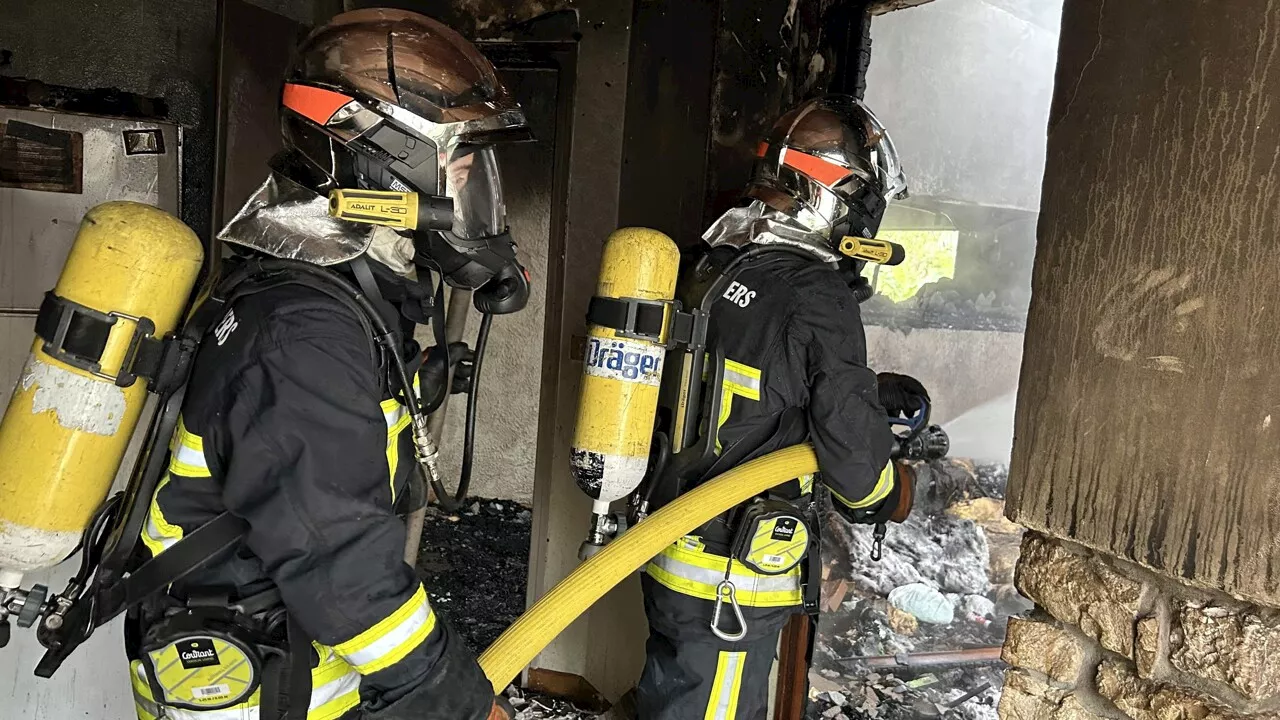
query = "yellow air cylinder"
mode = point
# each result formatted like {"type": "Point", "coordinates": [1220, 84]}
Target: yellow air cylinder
{"type": "Point", "coordinates": [66, 429]}
{"type": "Point", "coordinates": [621, 374]}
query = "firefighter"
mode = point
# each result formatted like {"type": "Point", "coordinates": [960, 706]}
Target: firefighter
{"type": "Point", "coordinates": [290, 421]}
{"type": "Point", "coordinates": [794, 369]}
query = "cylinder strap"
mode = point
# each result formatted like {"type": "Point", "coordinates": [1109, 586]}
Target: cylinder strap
{"type": "Point", "coordinates": [77, 335]}
{"type": "Point", "coordinates": [642, 319]}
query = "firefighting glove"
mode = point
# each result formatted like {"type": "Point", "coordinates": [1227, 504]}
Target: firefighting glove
{"type": "Point", "coordinates": [901, 395]}
{"type": "Point", "coordinates": [894, 508]}
{"type": "Point", "coordinates": [502, 709]}
{"type": "Point", "coordinates": [435, 373]}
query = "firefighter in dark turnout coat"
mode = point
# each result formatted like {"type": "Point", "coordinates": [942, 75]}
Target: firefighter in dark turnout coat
{"type": "Point", "coordinates": [291, 419]}
{"type": "Point", "coordinates": [794, 370]}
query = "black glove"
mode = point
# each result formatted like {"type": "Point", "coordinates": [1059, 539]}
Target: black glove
{"type": "Point", "coordinates": [901, 395]}
{"type": "Point", "coordinates": [894, 508]}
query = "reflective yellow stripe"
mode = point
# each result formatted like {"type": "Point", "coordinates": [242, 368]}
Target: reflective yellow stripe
{"type": "Point", "coordinates": [143, 700]}
{"type": "Point", "coordinates": [723, 704]}
{"type": "Point", "coordinates": [697, 573]}
{"type": "Point", "coordinates": [158, 534]}
{"type": "Point", "coordinates": [394, 637]}
{"type": "Point", "coordinates": [741, 380]}
{"type": "Point", "coordinates": [397, 418]}
{"type": "Point", "coordinates": [186, 453]}
{"type": "Point", "coordinates": [806, 483]}
{"type": "Point", "coordinates": [335, 688]}
{"type": "Point", "coordinates": [881, 491]}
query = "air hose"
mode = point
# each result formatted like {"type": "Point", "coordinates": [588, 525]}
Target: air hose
{"type": "Point", "coordinates": [469, 438]}
{"type": "Point", "coordinates": [540, 624]}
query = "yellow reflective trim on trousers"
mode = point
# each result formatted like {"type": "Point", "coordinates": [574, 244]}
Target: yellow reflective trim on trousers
{"type": "Point", "coordinates": [392, 638]}
{"type": "Point", "coordinates": [697, 574]}
{"type": "Point", "coordinates": [186, 453]}
{"type": "Point", "coordinates": [158, 534]}
{"type": "Point", "coordinates": [741, 380]}
{"type": "Point", "coordinates": [726, 687]}
{"type": "Point", "coordinates": [884, 485]}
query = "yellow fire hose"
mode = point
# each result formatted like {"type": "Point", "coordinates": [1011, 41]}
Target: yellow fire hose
{"type": "Point", "coordinates": [540, 624]}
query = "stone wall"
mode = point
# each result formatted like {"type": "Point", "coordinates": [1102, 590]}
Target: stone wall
{"type": "Point", "coordinates": [1109, 639]}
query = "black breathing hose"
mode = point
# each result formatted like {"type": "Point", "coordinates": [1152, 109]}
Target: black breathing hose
{"type": "Point", "coordinates": [469, 441]}
{"type": "Point", "coordinates": [451, 502]}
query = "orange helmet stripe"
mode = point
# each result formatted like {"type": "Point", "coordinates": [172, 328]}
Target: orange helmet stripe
{"type": "Point", "coordinates": [822, 170]}
{"type": "Point", "coordinates": [315, 104]}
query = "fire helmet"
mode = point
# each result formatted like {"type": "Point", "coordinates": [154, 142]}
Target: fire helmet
{"type": "Point", "coordinates": [830, 167]}
{"type": "Point", "coordinates": [383, 99]}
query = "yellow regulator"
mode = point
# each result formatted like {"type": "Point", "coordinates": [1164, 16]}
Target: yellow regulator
{"type": "Point", "coordinates": [76, 404]}
{"type": "Point", "coordinates": [626, 344]}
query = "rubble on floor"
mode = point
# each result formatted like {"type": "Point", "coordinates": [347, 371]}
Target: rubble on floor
{"type": "Point", "coordinates": [474, 564]}
{"type": "Point", "coordinates": [917, 635]}
{"type": "Point", "coordinates": [529, 706]}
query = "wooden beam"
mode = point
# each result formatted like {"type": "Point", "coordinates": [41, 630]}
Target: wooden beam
{"type": "Point", "coordinates": [793, 669]}
{"type": "Point", "coordinates": [883, 6]}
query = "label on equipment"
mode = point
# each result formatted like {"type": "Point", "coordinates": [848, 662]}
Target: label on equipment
{"type": "Point", "coordinates": [625, 360]}
{"type": "Point", "coordinates": [210, 691]}
{"type": "Point", "coordinates": [197, 653]}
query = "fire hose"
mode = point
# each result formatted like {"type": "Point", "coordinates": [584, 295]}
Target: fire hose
{"type": "Point", "coordinates": [573, 595]}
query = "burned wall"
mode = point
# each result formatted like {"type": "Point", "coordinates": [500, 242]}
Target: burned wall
{"type": "Point", "coordinates": [1144, 424]}
{"type": "Point", "coordinates": [166, 51]}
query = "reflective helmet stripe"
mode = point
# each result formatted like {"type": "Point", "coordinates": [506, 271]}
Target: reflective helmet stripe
{"type": "Point", "coordinates": [824, 171]}
{"type": "Point", "coordinates": [315, 104]}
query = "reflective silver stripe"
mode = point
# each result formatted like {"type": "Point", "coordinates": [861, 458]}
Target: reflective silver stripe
{"type": "Point", "coordinates": [333, 691]}
{"type": "Point", "coordinates": [726, 694]}
{"type": "Point", "coordinates": [189, 457]}
{"type": "Point", "coordinates": [747, 585]}
{"type": "Point", "coordinates": [741, 379]}
{"type": "Point", "coordinates": [387, 642]}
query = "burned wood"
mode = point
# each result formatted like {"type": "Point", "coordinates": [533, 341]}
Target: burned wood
{"type": "Point", "coordinates": [884, 6]}
{"type": "Point", "coordinates": [971, 656]}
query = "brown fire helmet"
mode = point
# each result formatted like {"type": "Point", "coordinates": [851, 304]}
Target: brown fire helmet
{"type": "Point", "coordinates": [382, 99]}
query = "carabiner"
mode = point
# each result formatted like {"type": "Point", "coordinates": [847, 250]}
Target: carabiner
{"type": "Point", "coordinates": [877, 542]}
{"type": "Point", "coordinates": [726, 589]}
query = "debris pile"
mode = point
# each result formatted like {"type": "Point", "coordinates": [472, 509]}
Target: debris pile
{"type": "Point", "coordinates": [917, 635]}
{"type": "Point", "coordinates": [474, 565]}
{"type": "Point", "coordinates": [945, 304]}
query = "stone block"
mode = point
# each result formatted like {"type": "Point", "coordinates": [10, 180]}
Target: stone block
{"type": "Point", "coordinates": [1080, 590]}
{"type": "Point", "coordinates": [1235, 646]}
{"type": "Point", "coordinates": [1144, 700]}
{"type": "Point", "coordinates": [1027, 697]}
{"type": "Point", "coordinates": [1148, 650]}
{"type": "Point", "coordinates": [1045, 647]}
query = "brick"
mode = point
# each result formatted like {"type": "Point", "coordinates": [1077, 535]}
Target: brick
{"type": "Point", "coordinates": [1027, 697]}
{"type": "Point", "coordinates": [1045, 647]}
{"type": "Point", "coordinates": [1144, 700]}
{"type": "Point", "coordinates": [1237, 647]}
{"type": "Point", "coordinates": [1080, 590]}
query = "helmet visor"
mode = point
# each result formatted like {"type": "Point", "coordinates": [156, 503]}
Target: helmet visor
{"type": "Point", "coordinates": [474, 184]}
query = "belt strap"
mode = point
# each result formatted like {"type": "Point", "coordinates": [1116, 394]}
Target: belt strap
{"type": "Point", "coordinates": [186, 555]}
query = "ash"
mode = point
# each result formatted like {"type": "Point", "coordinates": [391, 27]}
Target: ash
{"type": "Point", "coordinates": [951, 565]}
{"type": "Point", "coordinates": [475, 565]}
